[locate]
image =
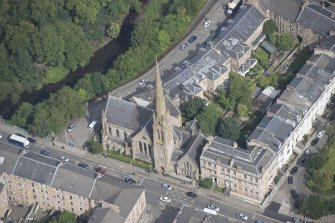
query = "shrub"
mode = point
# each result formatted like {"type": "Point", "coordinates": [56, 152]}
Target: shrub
{"type": "Point", "coordinates": [206, 183]}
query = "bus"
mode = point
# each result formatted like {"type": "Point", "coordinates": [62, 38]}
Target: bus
{"type": "Point", "coordinates": [233, 5]}
{"type": "Point", "coordinates": [19, 140]}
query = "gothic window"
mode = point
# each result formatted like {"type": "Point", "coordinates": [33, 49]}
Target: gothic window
{"type": "Point", "coordinates": [110, 130]}
{"type": "Point", "coordinates": [158, 134]}
{"type": "Point", "coordinates": [149, 149]}
{"type": "Point", "coordinates": [141, 148]}
{"type": "Point", "coordinates": [117, 133]}
{"type": "Point", "coordinates": [125, 135]}
{"type": "Point", "coordinates": [145, 149]}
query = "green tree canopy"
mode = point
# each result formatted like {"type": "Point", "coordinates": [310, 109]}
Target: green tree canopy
{"type": "Point", "coordinates": [206, 183]}
{"type": "Point", "coordinates": [64, 217]}
{"type": "Point", "coordinates": [192, 108]}
{"type": "Point", "coordinates": [113, 30]}
{"type": "Point", "coordinates": [316, 160]}
{"type": "Point", "coordinates": [314, 206]}
{"type": "Point", "coordinates": [269, 27]}
{"type": "Point", "coordinates": [285, 42]}
{"type": "Point", "coordinates": [208, 119]}
{"type": "Point", "coordinates": [95, 146]}
{"type": "Point", "coordinates": [228, 128]}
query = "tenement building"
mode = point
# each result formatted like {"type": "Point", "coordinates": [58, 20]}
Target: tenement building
{"type": "Point", "coordinates": [29, 178]}
{"type": "Point", "coordinates": [309, 20]}
{"type": "Point", "coordinates": [248, 173]}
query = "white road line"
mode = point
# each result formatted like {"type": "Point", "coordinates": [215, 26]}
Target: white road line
{"type": "Point", "coordinates": [141, 181]}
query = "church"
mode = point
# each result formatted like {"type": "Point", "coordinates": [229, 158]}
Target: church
{"type": "Point", "coordinates": [154, 135]}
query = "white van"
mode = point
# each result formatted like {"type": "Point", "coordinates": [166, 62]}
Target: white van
{"type": "Point", "coordinates": [209, 211]}
{"type": "Point", "coordinates": [92, 125]}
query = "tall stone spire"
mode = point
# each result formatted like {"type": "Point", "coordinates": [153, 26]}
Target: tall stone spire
{"type": "Point", "coordinates": [160, 102]}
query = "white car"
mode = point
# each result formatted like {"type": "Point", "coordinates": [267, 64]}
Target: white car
{"type": "Point", "coordinates": [213, 207]}
{"type": "Point", "coordinates": [0, 136]}
{"type": "Point", "coordinates": [206, 23]}
{"type": "Point", "coordinates": [143, 81]}
{"type": "Point", "coordinates": [63, 158]}
{"type": "Point", "coordinates": [321, 133]}
{"type": "Point", "coordinates": [243, 216]}
{"type": "Point", "coordinates": [166, 186]}
{"type": "Point", "coordinates": [307, 152]}
{"type": "Point", "coordinates": [165, 199]}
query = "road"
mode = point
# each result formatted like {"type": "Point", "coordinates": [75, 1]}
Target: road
{"type": "Point", "coordinates": [175, 56]}
{"type": "Point", "coordinates": [161, 212]}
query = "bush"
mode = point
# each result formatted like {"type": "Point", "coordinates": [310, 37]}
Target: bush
{"type": "Point", "coordinates": [316, 160]}
{"type": "Point", "coordinates": [206, 183]}
{"type": "Point", "coordinates": [95, 146]}
{"type": "Point", "coordinates": [119, 156]}
{"type": "Point", "coordinates": [277, 178]}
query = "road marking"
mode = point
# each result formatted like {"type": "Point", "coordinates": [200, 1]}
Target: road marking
{"type": "Point", "coordinates": [141, 181]}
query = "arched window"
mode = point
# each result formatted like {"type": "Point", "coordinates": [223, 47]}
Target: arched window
{"type": "Point", "coordinates": [117, 133]}
{"type": "Point", "coordinates": [141, 148]}
{"type": "Point", "coordinates": [125, 135]}
{"type": "Point", "coordinates": [110, 130]}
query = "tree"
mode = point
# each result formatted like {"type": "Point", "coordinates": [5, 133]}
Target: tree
{"type": "Point", "coordinates": [163, 40]}
{"type": "Point", "coordinates": [206, 183]}
{"type": "Point", "coordinates": [208, 119]}
{"type": "Point", "coordinates": [316, 160]}
{"type": "Point", "coordinates": [192, 108]}
{"type": "Point", "coordinates": [314, 206]}
{"type": "Point", "coordinates": [23, 115]}
{"type": "Point", "coordinates": [269, 27]}
{"type": "Point", "coordinates": [64, 217]}
{"type": "Point", "coordinates": [242, 110]}
{"type": "Point", "coordinates": [113, 30]}
{"type": "Point", "coordinates": [228, 128]}
{"type": "Point", "coordinates": [95, 146]}
{"type": "Point", "coordinates": [285, 42]}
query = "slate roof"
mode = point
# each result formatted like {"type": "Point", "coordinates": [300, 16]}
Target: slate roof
{"type": "Point", "coordinates": [180, 134]}
{"type": "Point", "coordinates": [328, 44]}
{"type": "Point", "coordinates": [106, 215]}
{"type": "Point", "coordinates": [194, 147]}
{"type": "Point", "coordinates": [127, 114]}
{"type": "Point", "coordinates": [35, 170]}
{"type": "Point", "coordinates": [252, 160]}
{"type": "Point", "coordinates": [316, 18]}
{"type": "Point", "coordinates": [289, 9]}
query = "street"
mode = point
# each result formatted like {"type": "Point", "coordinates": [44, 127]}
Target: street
{"type": "Point", "coordinates": [161, 212]}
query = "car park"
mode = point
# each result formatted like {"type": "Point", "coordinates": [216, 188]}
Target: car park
{"type": "Point", "coordinates": [71, 127]}
{"type": "Point", "coordinates": [192, 39]}
{"type": "Point", "coordinates": [294, 170]}
{"type": "Point", "coordinates": [183, 46]}
{"type": "Point", "coordinates": [63, 158]}
{"type": "Point", "coordinates": [290, 180]}
{"type": "Point", "coordinates": [314, 141]}
{"type": "Point", "coordinates": [242, 216]}
{"type": "Point", "coordinates": [100, 170]}
{"type": "Point", "coordinates": [321, 133]}
{"type": "Point", "coordinates": [165, 199]}
{"type": "Point", "coordinates": [166, 186]}
{"type": "Point", "coordinates": [213, 207]}
{"type": "Point", "coordinates": [206, 23]}
{"type": "Point", "coordinates": [192, 194]}
{"type": "Point", "coordinates": [45, 153]}
{"type": "Point", "coordinates": [83, 165]}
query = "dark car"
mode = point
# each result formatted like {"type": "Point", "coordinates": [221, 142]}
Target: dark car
{"type": "Point", "coordinates": [83, 165]}
{"type": "Point", "coordinates": [192, 39]}
{"type": "Point", "coordinates": [290, 180]}
{"type": "Point", "coordinates": [314, 141]}
{"type": "Point", "coordinates": [294, 170]}
{"type": "Point", "coordinates": [31, 140]}
{"type": "Point", "coordinates": [259, 221]}
{"type": "Point", "coordinates": [100, 170]}
{"type": "Point", "coordinates": [130, 181]}
{"type": "Point", "coordinates": [45, 153]}
{"type": "Point", "coordinates": [191, 194]}
{"type": "Point", "coordinates": [302, 162]}
{"type": "Point", "coordinates": [294, 194]}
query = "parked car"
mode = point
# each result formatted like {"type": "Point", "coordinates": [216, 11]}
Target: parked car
{"type": "Point", "coordinates": [71, 127]}
{"type": "Point", "coordinates": [100, 170]}
{"type": "Point", "coordinates": [242, 216]}
{"type": "Point", "coordinates": [302, 162]}
{"type": "Point", "coordinates": [166, 186]}
{"type": "Point", "coordinates": [294, 194]}
{"type": "Point", "coordinates": [307, 152]}
{"type": "Point", "coordinates": [143, 81]}
{"type": "Point", "coordinates": [213, 207]}
{"type": "Point", "coordinates": [290, 180]}
{"type": "Point", "coordinates": [192, 39]}
{"type": "Point", "coordinates": [0, 136]}
{"type": "Point", "coordinates": [83, 165]}
{"type": "Point", "coordinates": [183, 46]}
{"type": "Point", "coordinates": [45, 153]}
{"type": "Point", "coordinates": [321, 133]}
{"type": "Point", "coordinates": [294, 170]}
{"type": "Point", "coordinates": [165, 199]}
{"type": "Point", "coordinates": [314, 141]}
{"type": "Point", "coordinates": [206, 23]}
{"type": "Point", "coordinates": [130, 181]}
{"type": "Point", "coordinates": [31, 140]}
{"type": "Point", "coordinates": [63, 158]}
{"type": "Point", "coordinates": [259, 221]}
{"type": "Point", "coordinates": [192, 194]}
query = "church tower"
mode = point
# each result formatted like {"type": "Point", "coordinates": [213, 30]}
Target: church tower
{"type": "Point", "coordinates": [162, 130]}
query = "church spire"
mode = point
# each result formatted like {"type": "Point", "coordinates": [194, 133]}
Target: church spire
{"type": "Point", "coordinates": [160, 102]}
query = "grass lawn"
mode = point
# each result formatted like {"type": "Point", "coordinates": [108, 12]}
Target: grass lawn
{"type": "Point", "coordinates": [262, 56]}
{"type": "Point", "coordinates": [329, 167]}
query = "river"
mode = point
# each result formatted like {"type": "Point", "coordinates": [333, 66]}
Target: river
{"type": "Point", "coordinates": [101, 61]}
